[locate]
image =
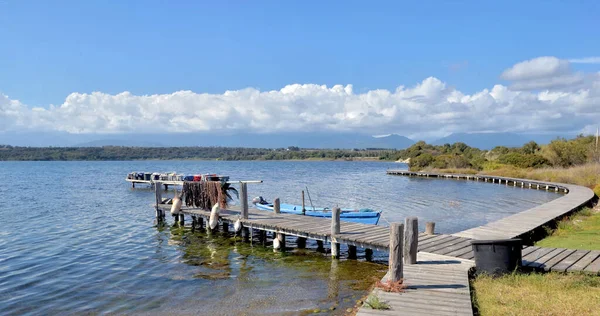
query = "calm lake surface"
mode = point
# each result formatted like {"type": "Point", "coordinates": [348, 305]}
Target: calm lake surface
{"type": "Point", "coordinates": [75, 238]}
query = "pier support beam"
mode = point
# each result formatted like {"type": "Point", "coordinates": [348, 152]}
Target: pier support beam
{"type": "Point", "coordinates": [225, 227]}
{"type": "Point", "coordinates": [430, 228]}
{"type": "Point", "coordinates": [320, 247]}
{"type": "Point", "coordinates": [411, 240]}
{"type": "Point", "coordinates": [244, 206]}
{"type": "Point", "coordinates": [160, 215]}
{"type": "Point", "coordinates": [301, 242]}
{"type": "Point", "coordinates": [395, 258]}
{"type": "Point", "coordinates": [279, 242]}
{"type": "Point", "coordinates": [351, 252]}
{"type": "Point", "coordinates": [368, 254]}
{"type": "Point", "coordinates": [335, 230]}
{"type": "Point", "coordinates": [181, 219]}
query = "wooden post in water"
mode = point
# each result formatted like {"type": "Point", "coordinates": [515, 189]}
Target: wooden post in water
{"type": "Point", "coordinates": [368, 254]}
{"type": "Point", "coordinates": [244, 205]}
{"type": "Point", "coordinates": [277, 206]}
{"type": "Point", "coordinates": [301, 242]}
{"type": "Point", "coordinates": [351, 252]}
{"type": "Point", "coordinates": [279, 242]}
{"type": "Point", "coordinates": [225, 227]}
{"type": "Point", "coordinates": [303, 208]}
{"type": "Point", "coordinates": [395, 258]}
{"type": "Point", "coordinates": [411, 240]}
{"type": "Point", "coordinates": [320, 246]}
{"type": "Point", "coordinates": [335, 230]}
{"type": "Point", "coordinates": [430, 228]}
{"type": "Point", "coordinates": [158, 198]}
{"type": "Point", "coordinates": [181, 219]}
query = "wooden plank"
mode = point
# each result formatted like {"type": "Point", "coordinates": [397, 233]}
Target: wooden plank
{"type": "Point", "coordinates": [542, 260]}
{"type": "Point", "coordinates": [527, 250]}
{"type": "Point", "coordinates": [593, 267]}
{"type": "Point", "coordinates": [535, 255]}
{"type": "Point", "coordinates": [567, 262]}
{"type": "Point", "coordinates": [585, 261]}
{"type": "Point", "coordinates": [459, 252]}
{"type": "Point", "coordinates": [443, 244]}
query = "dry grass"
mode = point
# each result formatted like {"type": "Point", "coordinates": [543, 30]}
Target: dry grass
{"type": "Point", "coordinates": [587, 175]}
{"type": "Point", "coordinates": [451, 170]}
{"type": "Point", "coordinates": [538, 294]}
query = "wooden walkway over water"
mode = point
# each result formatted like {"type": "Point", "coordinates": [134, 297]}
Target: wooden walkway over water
{"type": "Point", "coordinates": [438, 283]}
{"type": "Point", "coordinates": [522, 223]}
{"type": "Point", "coordinates": [378, 237]}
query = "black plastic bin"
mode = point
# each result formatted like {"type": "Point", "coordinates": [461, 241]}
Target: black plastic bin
{"type": "Point", "coordinates": [497, 257]}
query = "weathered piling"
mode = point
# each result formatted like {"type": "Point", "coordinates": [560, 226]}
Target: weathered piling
{"type": "Point", "coordinates": [395, 258]}
{"type": "Point", "coordinates": [368, 254]}
{"type": "Point", "coordinates": [244, 205]}
{"type": "Point", "coordinates": [303, 208]}
{"type": "Point", "coordinates": [277, 206]}
{"type": "Point", "coordinates": [351, 252]}
{"type": "Point", "coordinates": [301, 242]}
{"type": "Point", "coordinates": [181, 219]}
{"type": "Point", "coordinates": [158, 198]}
{"type": "Point", "coordinates": [411, 240]}
{"type": "Point", "coordinates": [279, 242]}
{"type": "Point", "coordinates": [430, 228]}
{"type": "Point", "coordinates": [335, 230]}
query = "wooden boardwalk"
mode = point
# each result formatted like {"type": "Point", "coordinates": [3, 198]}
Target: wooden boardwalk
{"type": "Point", "coordinates": [524, 222]}
{"type": "Point", "coordinates": [378, 237]}
{"type": "Point", "coordinates": [437, 285]}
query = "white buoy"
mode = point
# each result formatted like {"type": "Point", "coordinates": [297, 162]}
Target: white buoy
{"type": "Point", "coordinates": [176, 207]}
{"type": "Point", "coordinates": [214, 216]}
{"type": "Point", "coordinates": [237, 226]}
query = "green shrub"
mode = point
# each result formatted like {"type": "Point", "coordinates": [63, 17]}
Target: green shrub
{"type": "Point", "coordinates": [420, 162]}
{"type": "Point", "coordinates": [523, 160]}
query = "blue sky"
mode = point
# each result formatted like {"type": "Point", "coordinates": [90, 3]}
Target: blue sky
{"type": "Point", "coordinates": [51, 49]}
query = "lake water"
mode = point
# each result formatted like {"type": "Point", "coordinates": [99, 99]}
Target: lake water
{"type": "Point", "coordinates": [75, 238]}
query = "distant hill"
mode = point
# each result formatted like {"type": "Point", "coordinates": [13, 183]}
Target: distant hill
{"type": "Point", "coordinates": [280, 140]}
{"type": "Point", "coordinates": [491, 140]}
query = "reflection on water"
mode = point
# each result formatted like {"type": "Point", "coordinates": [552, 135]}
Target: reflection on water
{"type": "Point", "coordinates": [255, 280]}
{"type": "Point", "coordinates": [76, 239]}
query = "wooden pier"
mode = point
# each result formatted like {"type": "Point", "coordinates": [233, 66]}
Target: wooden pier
{"type": "Point", "coordinates": [437, 276]}
{"type": "Point", "coordinates": [523, 223]}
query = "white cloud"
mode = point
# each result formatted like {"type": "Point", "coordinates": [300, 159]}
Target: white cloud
{"type": "Point", "coordinates": [540, 67]}
{"type": "Point", "coordinates": [585, 60]}
{"type": "Point", "coordinates": [558, 102]}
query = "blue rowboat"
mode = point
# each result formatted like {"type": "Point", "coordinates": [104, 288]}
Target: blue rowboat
{"type": "Point", "coordinates": [363, 216]}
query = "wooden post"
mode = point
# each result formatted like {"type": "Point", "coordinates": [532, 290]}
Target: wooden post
{"type": "Point", "coordinates": [181, 219]}
{"type": "Point", "coordinates": [303, 208]}
{"type": "Point", "coordinates": [277, 206]}
{"type": "Point", "coordinates": [430, 228]}
{"type": "Point", "coordinates": [368, 254]}
{"type": "Point", "coordinates": [335, 230]}
{"type": "Point", "coordinates": [351, 252]}
{"type": "Point", "coordinates": [411, 240]}
{"type": "Point", "coordinates": [279, 242]}
{"type": "Point", "coordinates": [301, 242]}
{"type": "Point", "coordinates": [225, 227]}
{"type": "Point", "coordinates": [200, 222]}
{"type": "Point", "coordinates": [244, 199]}
{"type": "Point", "coordinates": [158, 198]}
{"type": "Point", "coordinates": [395, 258]}
{"type": "Point", "coordinates": [320, 246]}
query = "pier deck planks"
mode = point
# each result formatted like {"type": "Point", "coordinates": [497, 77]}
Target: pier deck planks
{"type": "Point", "coordinates": [377, 237]}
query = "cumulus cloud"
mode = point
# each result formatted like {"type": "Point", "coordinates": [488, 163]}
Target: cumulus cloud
{"type": "Point", "coordinates": [539, 100]}
{"type": "Point", "coordinates": [540, 67]}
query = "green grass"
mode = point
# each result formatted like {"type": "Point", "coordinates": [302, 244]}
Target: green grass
{"type": "Point", "coordinates": [537, 294]}
{"type": "Point", "coordinates": [374, 302]}
{"type": "Point", "coordinates": [580, 231]}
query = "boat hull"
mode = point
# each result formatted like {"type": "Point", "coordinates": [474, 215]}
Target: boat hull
{"type": "Point", "coordinates": [348, 215]}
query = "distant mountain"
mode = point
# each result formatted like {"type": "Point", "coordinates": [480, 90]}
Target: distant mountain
{"type": "Point", "coordinates": [491, 140]}
{"type": "Point", "coordinates": [281, 140]}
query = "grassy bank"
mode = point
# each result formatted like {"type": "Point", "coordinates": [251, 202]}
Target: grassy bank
{"type": "Point", "coordinates": [580, 231]}
{"type": "Point", "coordinates": [538, 294]}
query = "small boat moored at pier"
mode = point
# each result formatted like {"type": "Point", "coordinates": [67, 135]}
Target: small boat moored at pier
{"type": "Point", "coordinates": [363, 216]}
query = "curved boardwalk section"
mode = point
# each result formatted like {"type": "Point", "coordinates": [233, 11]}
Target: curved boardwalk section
{"type": "Point", "coordinates": [524, 222]}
